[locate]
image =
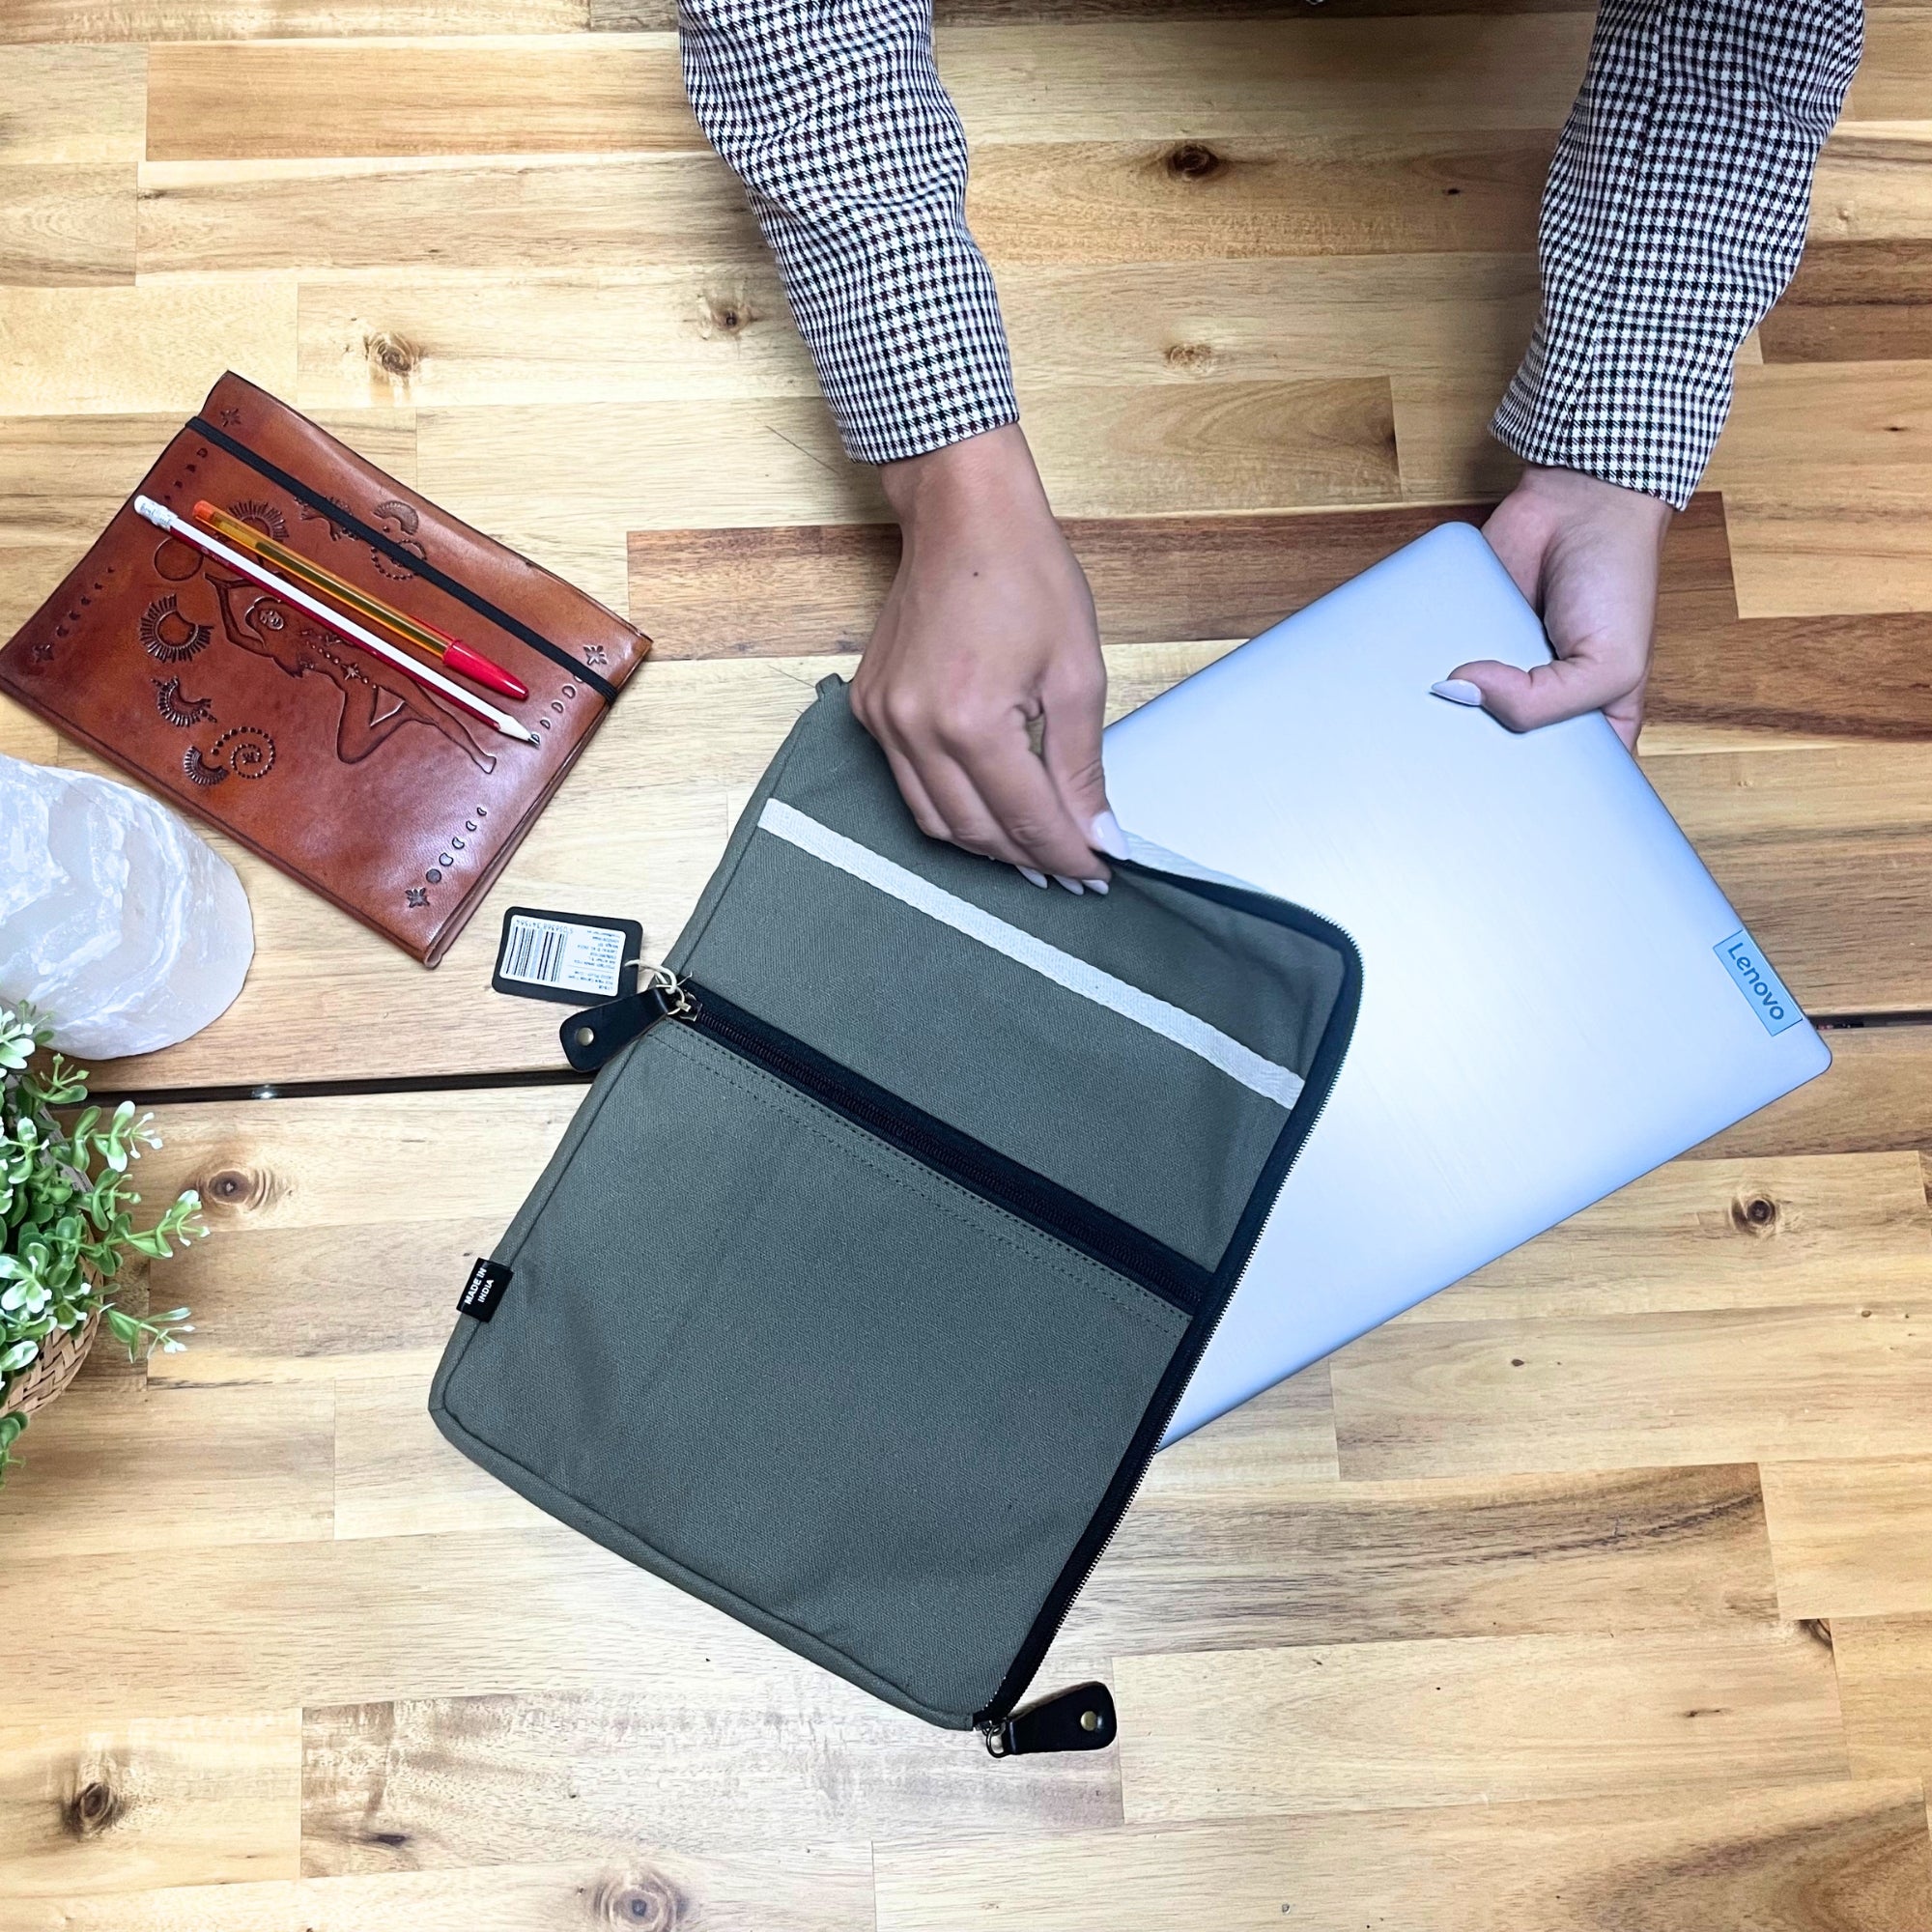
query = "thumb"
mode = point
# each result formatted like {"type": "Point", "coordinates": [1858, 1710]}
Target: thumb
{"type": "Point", "coordinates": [1069, 747]}
{"type": "Point", "coordinates": [1547, 693]}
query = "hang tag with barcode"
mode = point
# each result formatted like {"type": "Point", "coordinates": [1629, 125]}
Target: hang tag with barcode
{"type": "Point", "coordinates": [567, 956]}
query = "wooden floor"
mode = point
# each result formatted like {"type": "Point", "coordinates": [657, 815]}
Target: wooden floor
{"type": "Point", "coordinates": [1596, 1592]}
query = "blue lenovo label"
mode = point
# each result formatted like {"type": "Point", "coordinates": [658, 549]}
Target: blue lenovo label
{"type": "Point", "coordinates": [1759, 984]}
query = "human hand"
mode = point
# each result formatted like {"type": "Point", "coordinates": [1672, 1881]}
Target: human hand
{"type": "Point", "coordinates": [986, 639]}
{"type": "Point", "coordinates": [1585, 553]}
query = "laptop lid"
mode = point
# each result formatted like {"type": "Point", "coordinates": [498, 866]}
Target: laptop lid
{"type": "Point", "coordinates": [1556, 996]}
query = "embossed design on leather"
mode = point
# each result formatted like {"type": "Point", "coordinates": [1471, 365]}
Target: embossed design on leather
{"type": "Point", "coordinates": [372, 708]}
{"type": "Point", "coordinates": [175, 560]}
{"type": "Point", "coordinates": [169, 638]}
{"type": "Point", "coordinates": [309, 515]}
{"type": "Point", "coordinates": [416, 896]}
{"type": "Point", "coordinates": [199, 773]}
{"type": "Point", "coordinates": [408, 523]}
{"type": "Point", "coordinates": [265, 517]}
{"type": "Point", "coordinates": [178, 710]}
{"type": "Point", "coordinates": [231, 418]}
{"type": "Point", "coordinates": [596, 656]}
{"type": "Point", "coordinates": [246, 751]}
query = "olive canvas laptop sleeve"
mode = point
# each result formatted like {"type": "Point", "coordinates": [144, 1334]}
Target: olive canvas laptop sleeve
{"type": "Point", "coordinates": [859, 1293]}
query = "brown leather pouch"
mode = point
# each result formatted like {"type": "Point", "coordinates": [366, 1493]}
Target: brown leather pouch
{"type": "Point", "coordinates": [363, 783]}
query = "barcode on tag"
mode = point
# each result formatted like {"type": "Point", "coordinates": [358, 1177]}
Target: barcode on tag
{"type": "Point", "coordinates": [548, 953]}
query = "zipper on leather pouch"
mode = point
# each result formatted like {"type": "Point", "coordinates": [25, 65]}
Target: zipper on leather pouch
{"type": "Point", "coordinates": [1081, 1717]}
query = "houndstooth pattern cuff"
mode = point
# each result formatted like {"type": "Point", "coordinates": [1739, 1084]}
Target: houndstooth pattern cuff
{"type": "Point", "coordinates": [1674, 215]}
{"type": "Point", "coordinates": [833, 115]}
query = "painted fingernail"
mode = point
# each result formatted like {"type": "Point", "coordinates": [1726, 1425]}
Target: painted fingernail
{"type": "Point", "coordinates": [1032, 877]}
{"type": "Point", "coordinates": [1107, 836]}
{"type": "Point", "coordinates": [1095, 886]}
{"type": "Point", "coordinates": [1458, 691]}
{"type": "Point", "coordinates": [1072, 885]}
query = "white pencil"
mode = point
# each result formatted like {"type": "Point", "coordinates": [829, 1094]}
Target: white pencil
{"type": "Point", "coordinates": [160, 515]}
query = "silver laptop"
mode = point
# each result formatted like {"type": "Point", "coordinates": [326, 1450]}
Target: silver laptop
{"type": "Point", "coordinates": [1556, 997]}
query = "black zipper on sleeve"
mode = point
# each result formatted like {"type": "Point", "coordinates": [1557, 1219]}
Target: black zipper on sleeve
{"type": "Point", "coordinates": [973, 1165]}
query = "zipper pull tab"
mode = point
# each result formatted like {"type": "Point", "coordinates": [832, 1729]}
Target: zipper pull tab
{"type": "Point", "coordinates": [591, 1037]}
{"type": "Point", "coordinates": [1081, 1719]}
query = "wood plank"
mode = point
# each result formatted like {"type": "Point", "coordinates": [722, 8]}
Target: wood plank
{"type": "Point", "coordinates": [144, 1804]}
{"type": "Point", "coordinates": [1827, 475]}
{"type": "Point", "coordinates": [1325, 1563]}
{"type": "Point", "coordinates": [438, 1783]}
{"type": "Point", "coordinates": [1097, 80]}
{"type": "Point", "coordinates": [1827, 853]}
{"type": "Point", "coordinates": [26, 21]}
{"type": "Point", "coordinates": [1442, 430]}
{"type": "Point", "coordinates": [575, 213]}
{"type": "Point", "coordinates": [778, 1889]}
{"type": "Point", "coordinates": [1871, 185]}
{"type": "Point", "coordinates": [268, 1625]}
{"type": "Point", "coordinates": [1884, 1681]}
{"type": "Point", "coordinates": [271, 1906]}
{"type": "Point", "coordinates": [22, 735]}
{"type": "Point", "coordinates": [786, 589]}
{"type": "Point", "coordinates": [1137, 451]}
{"type": "Point", "coordinates": [1815, 1231]}
{"type": "Point", "coordinates": [1069, 200]}
{"type": "Point", "coordinates": [396, 1476]}
{"type": "Point", "coordinates": [1187, 200]}
{"type": "Point", "coordinates": [1891, 83]}
{"type": "Point", "coordinates": [238, 1465]}
{"type": "Point", "coordinates": [641, 335]}
{"type": "Point", "coordinates": [807, 1888]}
{"type": "Point", "coordinates": [1473, 1719]}
{"type": "Point", "coordinates": [63, 476]}
{"type": "Point", "coordinates": [508, 94]}
{"type": "Point", "coordinates": [77, 104]}
{"type": "Point", "coordinates": [723, 330]}
{"type": "Point", "coordinates": [1853, 1855]}
{"type": "Point", "coordinates": [302, 1191]}
{"type": "Point", "coordinates": [1854, 301]}
{"type": "Point", "coordinates": [1851, 1539]}
{"type": "Point", "coordinates": [126, 351]}
{"type": "Point", "coordinates": [1284, 1436]}
{"type": "Point", "coordinates": [1877, 1093]}
{"type": "Point", "coordinates": [565, 485]}
{"type": "Point", "coordinates": [1616, 1391]}
{"type": "Point", "coordinates": [66, 225]}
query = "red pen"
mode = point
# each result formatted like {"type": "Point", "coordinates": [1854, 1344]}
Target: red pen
{"type": "Point", "coordinates": [456, 655]}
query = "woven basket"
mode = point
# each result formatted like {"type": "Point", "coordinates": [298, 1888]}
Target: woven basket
{"type": "Point", "coordinates": [57, 1365]}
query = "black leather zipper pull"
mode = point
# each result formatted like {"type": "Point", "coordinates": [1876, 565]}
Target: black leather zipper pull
{"type": "Point", "coordinates": [591, 1037]}
{"type": "Point", "coordinates": [1081, 1719]}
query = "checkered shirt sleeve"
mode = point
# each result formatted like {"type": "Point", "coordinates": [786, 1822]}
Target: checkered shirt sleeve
{"type": "Point", "coordinates": [1673, 217]}
{"type": "Point", "coordinates": [833, 115]}
{"type": "Point", "coordinates": [1672, 220]}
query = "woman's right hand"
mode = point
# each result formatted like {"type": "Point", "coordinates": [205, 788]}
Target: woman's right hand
{"type": "Point", "coordinates": [986, 643]}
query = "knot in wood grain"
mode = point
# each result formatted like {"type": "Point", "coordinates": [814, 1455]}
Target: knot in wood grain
{"type": "Point", "coordinates": [726, 312]}
{"type": "Point", "coordinates": [1195, 356]}
{"type": "Point", "coordinates": [393, 356]}
{"type": "Point", "coordinates": [641, 1901]}
{"type": "Point", "coordinates": [239, 1187]}
{"type": "Point", "coordinates": [1194, 161]}
{"type": "Point", "coordinates": [1755, 1213]}
{"type": "Point", "coordinates": [95, 1807]}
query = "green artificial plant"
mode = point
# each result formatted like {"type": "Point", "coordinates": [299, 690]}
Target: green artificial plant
{"type": "Point", "coordinates": [64, 1225]}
